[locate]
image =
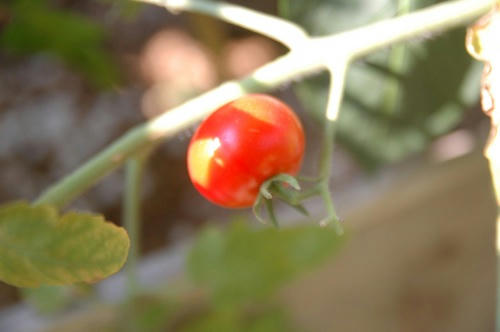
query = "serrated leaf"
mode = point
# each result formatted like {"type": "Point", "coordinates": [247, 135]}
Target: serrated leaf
{"type": "Point", "coordinates": [242, 264]}
{"type": "Point", "coordinates": [37, 246]}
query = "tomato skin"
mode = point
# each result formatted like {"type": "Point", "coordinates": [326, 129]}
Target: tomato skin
{"type": "Point", "coordinates": [241, 145]}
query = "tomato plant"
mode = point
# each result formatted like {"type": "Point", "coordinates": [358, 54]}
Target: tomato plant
{"type": "Point", "coordinates": [241, 145]}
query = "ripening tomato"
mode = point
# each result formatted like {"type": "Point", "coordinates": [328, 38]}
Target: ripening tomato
{"type": "Point", "coordinates": [241, 145]}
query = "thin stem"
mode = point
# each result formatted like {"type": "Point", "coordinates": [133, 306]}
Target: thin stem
{"type": "Point", "coordinates": [396, 64]}
{"type": "Point", "coordinates": [337, 81]}
{"type": "Point", "coordinates": [364, 40]}
{"type": "Point", "coordinates": [314, 55]}
{"type": "Point", "coordinates": [131, 217]}
{"type": "Point", "coordinates": [308, 193]}
{"type": "Point", "coordinates": [338, 71]}
{"type": "Point", "coordinates": [79, 181]}
{"type": "Point", "coordinates": [283, 31]}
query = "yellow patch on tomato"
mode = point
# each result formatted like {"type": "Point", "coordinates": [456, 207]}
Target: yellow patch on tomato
{"type": "Point", "coordinates": [200, 156]}
{"type": "Point", "coordinates": [259, 108]}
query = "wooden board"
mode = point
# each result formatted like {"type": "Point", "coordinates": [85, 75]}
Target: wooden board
{"type": "Point", "coordinates": [421, 258]}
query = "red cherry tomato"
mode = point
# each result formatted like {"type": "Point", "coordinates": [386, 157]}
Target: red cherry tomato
{"type": "Point", "coordinates": [241, 145]}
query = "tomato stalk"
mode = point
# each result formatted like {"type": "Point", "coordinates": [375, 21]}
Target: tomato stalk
{"type": "Point", "coordinates": [272, 187]}
{"type": "Point", "coordinates": [337, 71]}
{"type": "Point", "coordinates": [134, 170]}
{"type": "Point", "coordinates": [331, 217]}
{"type": "Point", "coordinates": [396, 64]}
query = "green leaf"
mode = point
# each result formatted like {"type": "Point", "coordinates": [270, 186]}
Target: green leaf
{"type": "Point", "coordinates": [243, 264]}
{"type": "Point", "coordinates": [35, 28]}
{"type": "Point", "coordinates": [234, 318]}
{"type": "Point", "coordinates": [37, 246]}
{"type": "Point", "coordinates": [321, 17]}
{"type": "Point", "coordinates": [147, 313]}
{"type": "Point", "coordinates": [48, 299]}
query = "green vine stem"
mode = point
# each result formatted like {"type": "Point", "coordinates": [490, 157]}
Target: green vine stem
{"type": "Point", "coordinates": [337, 72]}
{"type": "Point", "coordinates": [314, 54]}
{"type": "Point", "coordinates": [283, 31]}
{"type": "Point", "coordinates": [437, 18]}
{"type": "Point", "coordinates": [396, 64]}
{"type": "Point", "coordinates": [131, 217]}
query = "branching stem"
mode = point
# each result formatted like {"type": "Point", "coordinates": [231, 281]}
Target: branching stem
{"type": "Point", "coordinates": [313, 55]}
{"type": "Point", "coordinates": [283, 31]}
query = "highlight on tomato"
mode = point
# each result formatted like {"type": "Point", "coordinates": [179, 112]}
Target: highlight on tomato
{"type": "Point", "coordinates": [241, 145]}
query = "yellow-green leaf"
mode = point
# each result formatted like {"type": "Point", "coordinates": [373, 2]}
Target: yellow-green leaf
{"type": "Point", "coordinates": [37, 246]}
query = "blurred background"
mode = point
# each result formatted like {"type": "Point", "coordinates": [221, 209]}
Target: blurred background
{"type": "Point", "coordinates": [408, 176]}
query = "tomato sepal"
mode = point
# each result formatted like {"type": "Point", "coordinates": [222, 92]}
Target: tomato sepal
{"type": "Point", "coordinates": [283, 186]}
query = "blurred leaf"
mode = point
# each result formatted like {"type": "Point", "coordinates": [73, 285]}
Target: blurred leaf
{"type": "Point", "coordinates": [221, 321]}
{"type": "Point", "coordinates": [243, 264]}
{"type": "Point", "coordinates": [35, 27]}
{"type": "Point", "coordinates": [389, 113]}
{"type": "Point", "coordinates": [48, 299]}
{"type": "Point", "coordinates": [39, 247]}
{"type": "Point", "coordinates": [52, 299]}
{"type": "Point", "coordinates": [321, 17]}
{"type": "Point", "coordinates": [146, 313]}
{"type": "Point", "coordinates": [127, 10]}
{"type": "Point", "coordinates": [231, 319]}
